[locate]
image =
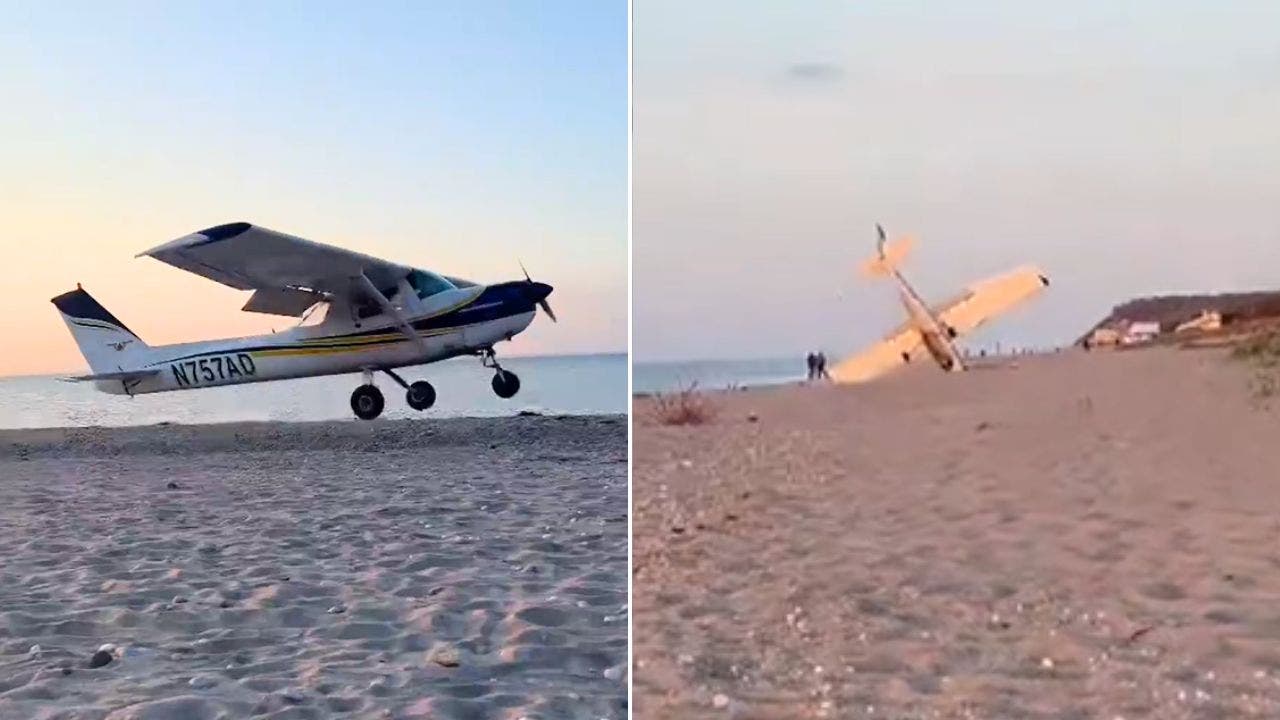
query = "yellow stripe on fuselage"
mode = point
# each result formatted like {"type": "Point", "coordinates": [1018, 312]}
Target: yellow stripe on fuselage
{"type": "Point", "coordinates": [354, 344]}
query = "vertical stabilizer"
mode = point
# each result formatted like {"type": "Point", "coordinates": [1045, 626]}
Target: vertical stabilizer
{"type": "Point", "coordinates": [105, 342]}
{"type": "Point", "coordinates": [889, 255]}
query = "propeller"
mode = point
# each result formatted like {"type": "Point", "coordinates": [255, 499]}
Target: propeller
{"type": "Point", "coordinates": [542, 301]}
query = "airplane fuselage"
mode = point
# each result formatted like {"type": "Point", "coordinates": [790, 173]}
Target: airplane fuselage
{"type": "Point", "coordinates": [456, 322]}
{"type": "Point", "coordinates": [938, 339]}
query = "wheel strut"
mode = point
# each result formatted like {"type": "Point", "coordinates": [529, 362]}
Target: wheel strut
{"type": "Point", "coordinates": [396, 377]}
{"type": "Point", "coordinates": [489, 359]}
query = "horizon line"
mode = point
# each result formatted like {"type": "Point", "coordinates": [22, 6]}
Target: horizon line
{"type": "Point", "coordinates": [540, 356]}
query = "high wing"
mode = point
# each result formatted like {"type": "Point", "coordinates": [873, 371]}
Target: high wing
{"type": "Point", "coordinates": [979, 303]}
{"type": "Point", "coordinates": [288, 273]}
{"type": "Point", "coordinates": [902, 346]}
{"type": "Point", "coordinates": [989, 298]}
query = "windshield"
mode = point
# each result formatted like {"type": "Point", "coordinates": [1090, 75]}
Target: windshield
{"type": "Point", "coordinates": [427, 284]}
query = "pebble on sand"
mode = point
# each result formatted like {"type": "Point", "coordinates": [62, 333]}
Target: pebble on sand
{"type": "Point", "coordinates": [100, 658]}
{"type": "Point", "coordinates": [444, 656]}
{"type": "Point", "coordinates": [720, 701]}
{"type": "Point", "coordinates": [202, 682]}
{"type": "Point", "coordinates": [172, 485]}
{"type": "Point", "coordinates": [293, 696]}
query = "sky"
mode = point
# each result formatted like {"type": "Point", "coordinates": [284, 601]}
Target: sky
{"type": "Point", "coordinates": [459, 137]}
{"type": "Point", "coordinates": [1128, 148]}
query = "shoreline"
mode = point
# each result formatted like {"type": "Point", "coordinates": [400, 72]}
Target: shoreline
{"type": "Point", "coordinates": [277, 435]}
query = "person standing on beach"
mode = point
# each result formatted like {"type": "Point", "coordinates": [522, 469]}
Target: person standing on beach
{"type": "Point", "coordinates": [812, 361]}
{"type": "Point", "coordinates": [821, 362]}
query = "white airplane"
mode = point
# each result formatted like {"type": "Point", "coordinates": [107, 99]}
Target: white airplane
{"type": "Point", "coordinates": [933, 330]}
{"type": "Point", "coordinates": [379, 316]}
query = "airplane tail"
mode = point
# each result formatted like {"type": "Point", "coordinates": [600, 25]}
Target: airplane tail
{"type": "Point", "coordinates": [106, 343]}
{"type": "Point", "coordinates": [889, 255]}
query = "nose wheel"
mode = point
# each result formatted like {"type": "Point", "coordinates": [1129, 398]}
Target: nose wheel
{"type": "Point", "coordinates": [505, 383]}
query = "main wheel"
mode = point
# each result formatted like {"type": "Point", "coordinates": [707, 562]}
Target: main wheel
{"type": "Point", "coordinates": [505, 384]}
{"type": "Point", "coordinates": [367, 402]}
{"type": "Point", "coordinates": [420, 395]}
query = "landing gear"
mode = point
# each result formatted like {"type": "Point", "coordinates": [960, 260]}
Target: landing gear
{"type": "Point", "coordinates": [505, 383]}
{"type": "Point", "coordinates": [419, 395]}
{"type": "Point", "coordinates": [367, 402]}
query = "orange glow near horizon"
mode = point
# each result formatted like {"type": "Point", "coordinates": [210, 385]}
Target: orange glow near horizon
{"type": "Point", "coordinates": [164, 305]}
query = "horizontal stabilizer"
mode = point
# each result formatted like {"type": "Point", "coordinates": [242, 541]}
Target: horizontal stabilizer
{"type": "Point", "coordinates": [125, 375]}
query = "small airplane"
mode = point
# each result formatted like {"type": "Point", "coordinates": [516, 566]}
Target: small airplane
{"type": "Point", "coordinates": [379, 316]}
{"type": "Point", "coordinates": [929, 330]}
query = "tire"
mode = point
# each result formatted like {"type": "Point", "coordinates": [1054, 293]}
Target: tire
{"type": "Point", "coordinates": [367, 402]}
{"type": "Point", "coordinates": [421, 395]}
{"type": "Point", "coordinates": [505, 384]}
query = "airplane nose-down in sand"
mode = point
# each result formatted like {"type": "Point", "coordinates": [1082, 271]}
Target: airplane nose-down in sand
{"type": "Point", "coordinates": [379, 316]}
{"type": "Point", "coordinates": [930, 330]}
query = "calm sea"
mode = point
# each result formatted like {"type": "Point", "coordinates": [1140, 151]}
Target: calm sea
{"type": "Point", "coordinates": [651, 377]}
{"type": "Point", "coordinates": [576, 385]}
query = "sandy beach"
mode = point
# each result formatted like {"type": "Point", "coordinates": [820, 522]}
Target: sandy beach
{"type": "Point", "coordinates": [1074, 536]}
{"type": "Point", "coordinates": [466, 568]}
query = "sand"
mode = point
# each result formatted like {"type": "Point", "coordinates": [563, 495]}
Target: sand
{"type": "Point", "coordinates": [398, 569]}
{"type": "Point", "coordinates": [1076, 536]}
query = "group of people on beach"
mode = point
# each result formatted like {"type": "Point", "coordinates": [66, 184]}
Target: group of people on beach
{"type": "Point", "coordinates": [817, 366]}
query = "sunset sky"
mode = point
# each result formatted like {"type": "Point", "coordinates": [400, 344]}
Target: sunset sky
{"type": "Point", "coordinates": [1130, 148]}
{"type": "Point", "coordinates": [460, 137]}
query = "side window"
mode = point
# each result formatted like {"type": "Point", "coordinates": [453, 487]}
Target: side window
{"type": "Point", "coordinates": [427, 284]}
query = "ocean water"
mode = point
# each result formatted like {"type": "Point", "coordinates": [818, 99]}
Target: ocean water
{"type": "Point", "coordinates": [571, 385]}
{"type": "Point", "coordinates": [654, 377]}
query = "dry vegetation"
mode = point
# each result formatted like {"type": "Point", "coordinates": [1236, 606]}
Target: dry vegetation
{"type": "Point", "coordinates": [687, 406]}
{"type": "Point", "coordinates": [1263, 352]}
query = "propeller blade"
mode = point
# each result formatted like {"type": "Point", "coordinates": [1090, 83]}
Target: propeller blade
{"type": "Point", "coordinates": [526, 272]}
{"type": "Point", "coordinates": [546, 308]}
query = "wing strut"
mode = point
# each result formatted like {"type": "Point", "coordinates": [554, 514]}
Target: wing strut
{"type": "Point", "coordinates": [372, 291]}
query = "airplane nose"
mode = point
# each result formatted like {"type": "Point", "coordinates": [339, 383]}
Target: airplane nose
{"type": "Point", "coordinates": [538, 291]}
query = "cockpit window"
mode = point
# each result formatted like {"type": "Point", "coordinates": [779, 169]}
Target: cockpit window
{"type": "Point", "coordinates": [427, 284]}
